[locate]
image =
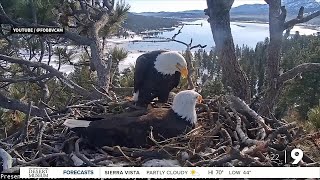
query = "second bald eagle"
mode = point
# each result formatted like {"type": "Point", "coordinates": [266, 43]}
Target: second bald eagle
{"type": "Point", "coordinates": [134, 131]}
{"type": "Point", "coordinates": [156, 74]}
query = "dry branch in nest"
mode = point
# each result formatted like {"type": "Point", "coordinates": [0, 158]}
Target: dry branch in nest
{"type": "Point", "coordinates": [228, 133]}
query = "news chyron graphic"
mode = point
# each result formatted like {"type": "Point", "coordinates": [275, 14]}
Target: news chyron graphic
{"type": "Point", "coordinates": [295, 157]}
{"type": "Point", "coordinates": [37, 30]}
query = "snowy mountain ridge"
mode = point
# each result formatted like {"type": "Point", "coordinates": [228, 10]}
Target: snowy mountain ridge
{"type": "Point", "coordinates": [296, 4]}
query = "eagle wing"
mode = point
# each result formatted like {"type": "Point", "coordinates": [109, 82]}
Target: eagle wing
{"type": "Point", "coordinates": [143, 64]}
{"type": "Point", "coordinates": [134, 131]}
{"type": "Point", "coordinates": [127, 131]}
{"type": "Point", "coordinates": [139, 72]}
{"type": "Point", "coordinates": [153, 116]}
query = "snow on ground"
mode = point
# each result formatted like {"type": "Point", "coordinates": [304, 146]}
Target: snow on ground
{"type": "Point", "coordinates": [54, 60]}
{"type": "Point", "coordinates": [117, 40]}
{"type": "Point", "coordinates": [112, 42]}
{"type": "Point", "coordinates": [133, 54]}
{"type": "Point", "coordinates": [129, 61]}
{"type": "Point", "coordinates": [303, 30]}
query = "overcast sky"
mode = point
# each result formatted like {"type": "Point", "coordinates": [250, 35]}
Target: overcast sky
{"type": "Point", "coordinates": [176, 5]}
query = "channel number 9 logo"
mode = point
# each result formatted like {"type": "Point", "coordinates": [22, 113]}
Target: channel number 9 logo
{"type": "Point", "coordinates": [296, 155]}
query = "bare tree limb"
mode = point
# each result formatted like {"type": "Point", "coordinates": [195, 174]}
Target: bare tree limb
{"type": "Point", "coordinates": [176, 34]}
{"type": "Point", "coordinates": [244, 138]}
{"type": "Point", "coordinates": [103, 69]}
{"type": "Point", "coordinates": [300, 19]}
{"type": "Point", "coordinates": [24, 132]}
{"type": "Point", "coordinates": [302, 68]}
{"type": "Point", "coordinates": [28, 79]}
{"type": "Point", "coordinates": [81, 156]}
{"type": "Point", "coordinates": [20, 106]}
{"type": "Point", "coordinates": [44, 125]}
{"type": "Point", "coordinates": [199, 45]}
{"type": "Point", "coordinates": [109, 4]}
{"type": "Point", "coordinates": [301, 12]}
{"type": "Point", "coordinates": [240, 106]}
{"type": "Point", "coordinates": [78, 89]}
{"type": "Point", "coordinates": [103, 20]}
{"type": "Point", "coordinates": [190, 68]}
{"type": "Point", "coordinates": [6, 16]}
{"type": "Point", "coordinates": [33, 11]}
{"type": "Point", "coordinates": [43, 158]}
{"type": "Point", "coordinates": [81, 40]}
{"type": "Point", "coordinates": [283, 14]}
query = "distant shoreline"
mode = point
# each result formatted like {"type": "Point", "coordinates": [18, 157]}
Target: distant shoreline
{"type": "Point", "coordinates": [310, 26]}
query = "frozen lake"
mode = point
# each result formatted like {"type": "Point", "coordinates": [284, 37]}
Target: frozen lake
{"type": "Point", "coordinates": [243, 33]}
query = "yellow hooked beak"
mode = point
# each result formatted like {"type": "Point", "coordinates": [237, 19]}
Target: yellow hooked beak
{"type": "Point", "coordinates": [200, 99]}
{"type": "Point", "coordinates": [183, 70]}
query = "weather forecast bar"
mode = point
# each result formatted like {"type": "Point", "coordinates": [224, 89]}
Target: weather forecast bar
{"type": "Point", "coordinates": [169, 172]}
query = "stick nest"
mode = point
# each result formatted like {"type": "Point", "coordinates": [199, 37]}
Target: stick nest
{"type": "Point", "coordinates": [228, 133]}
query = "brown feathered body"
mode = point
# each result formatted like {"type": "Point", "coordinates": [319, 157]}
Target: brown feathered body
{"type": "Point", "coordinates": [134, 131]}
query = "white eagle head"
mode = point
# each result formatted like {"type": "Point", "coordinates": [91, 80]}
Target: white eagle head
{"type": "Point", "coordinates": [169, 62]}
{"type": "Point", "coordinates": [184, 105]}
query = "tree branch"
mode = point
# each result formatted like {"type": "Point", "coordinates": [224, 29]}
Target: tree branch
{"type": "Point", "coordinates": [29, 79]}
{"type": "Point", "coordinates": [78, 89]}
{"type": "Point", "coordinates": [81, 40]}
{"type": "Point", "coordinates": [300, 19]}
{"type": "Point", "coordinates": [176, 34]}
{"type": "Point", "coordinates": [270, 1]}
{"type": "Point", "coordinates": [103, 20]}
{"type": "Point", "coordinates": [102, 68]}
{"type": "Point", "coordinates": [302, 68]}
{"type": "Point", "coordinates": [199, 45]}
{"type": "Point", "coordinates": [20, 106]}
{"type": "Point", "coordinates": [67, 34]}
{"type": "Point", "coordinates": [6, 16]}
{"type": "Point", "coordinates": [173, 38]}
{"type": "Point", "coordinates": [283, 14]}
{"type": "Point", "coordinates": [190, 68]}
{"type": "Point", "coordinates": [33, 11]}
{"type": "Point", "coordinates": [240, 106]}
{"type": "Point", "coordinates": [109, 4]}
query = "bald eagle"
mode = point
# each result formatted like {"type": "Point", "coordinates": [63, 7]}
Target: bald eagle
{"type": "Point", "coordinates": [156, 74]}
{"type": "Point", "coordinates": [134, 131]}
